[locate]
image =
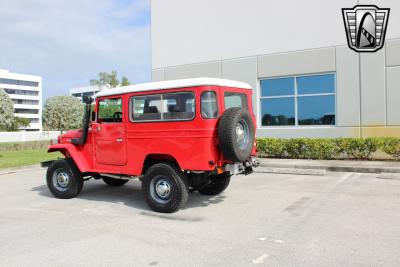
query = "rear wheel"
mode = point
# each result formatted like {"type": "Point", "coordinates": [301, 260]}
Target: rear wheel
{"type": "Point", "coordinates": [165, 188]}
{"type": "Point", "coordinates": [217, 185]}
{"type": "Point", "coordinates": [64, 179]}
{"type": "Point", "coordinates": [114, 182]}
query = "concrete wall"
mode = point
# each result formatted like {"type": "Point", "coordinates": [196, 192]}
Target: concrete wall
{"type": "Point", "coordinates": [367, 86]}
{"type": "Point", "coordinates": [27, 136]}
{"type": "Point", "coordinates": [185, 32]}
{"type": "Point", "coordinates": [262, 39]}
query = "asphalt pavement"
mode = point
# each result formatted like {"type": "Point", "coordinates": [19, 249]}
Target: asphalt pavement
{"type": "Point", "coordinates": [340, 219]}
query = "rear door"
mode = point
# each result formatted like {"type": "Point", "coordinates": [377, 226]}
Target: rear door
{"type": "Point", "coordinates": [109, 133]}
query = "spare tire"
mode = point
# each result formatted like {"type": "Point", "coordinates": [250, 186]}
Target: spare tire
{"type": "Point", "coordinates": [236, 134]}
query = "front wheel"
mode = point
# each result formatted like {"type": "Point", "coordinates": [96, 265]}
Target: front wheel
{"type": "Point", "coordinates": [64, 179]}
{"type": "Point", "coordinates": [165, 188]}
{"type": "Point", "coordinates": [217, 185]}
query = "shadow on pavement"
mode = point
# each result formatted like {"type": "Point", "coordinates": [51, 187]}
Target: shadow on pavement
{"type": "Point", "coordinates": [130, 195]}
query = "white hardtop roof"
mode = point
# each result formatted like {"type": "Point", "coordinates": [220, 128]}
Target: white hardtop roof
{"type": "Point", "coordinates": [172, 84]}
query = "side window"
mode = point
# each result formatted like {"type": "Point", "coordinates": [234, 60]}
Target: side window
{"type": "Point", "coordinates": [146, 108]}
{"type": "Point", "coordinates": [178, 106]}
{"type": "Point", "coordinates": [165, 107]}
{"type": "Point", "coordinates": [110, 110]}
{"type": "Point", "coordinates": [209, 107]}
{"type": "Point", "coordinates": [233, 100]}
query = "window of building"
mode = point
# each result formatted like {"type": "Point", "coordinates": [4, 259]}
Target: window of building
{"type": "Point", "coordinates": [25, 102]}
{"type": "Point", "coordinates": [21, 92]}
{"type": "Point", "coordinates": [298, 100]}
{"type": "Point", "coordinates": [235, 100]}
{"type": "Point", "coordinates": [26, 111]}
{"type": "Point", "coordinates": [19, 82]}
{"type": "Point", "coordinates": [165, 107]}
{"type": "Point", "coordinates": [209, 106]}
{"type": "Point", "coordinates": [110, 110]}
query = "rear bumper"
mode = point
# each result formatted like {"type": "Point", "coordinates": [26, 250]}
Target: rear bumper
{"type": "Point", "coordinates": [242, 167]}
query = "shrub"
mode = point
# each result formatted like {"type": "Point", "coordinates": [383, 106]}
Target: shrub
{"type": "Point", "coordinates": [391, 146]}
{"type": "Point", "coordinates": [328, 148]}
{"type": "Point", "coordinates": [357, 148]}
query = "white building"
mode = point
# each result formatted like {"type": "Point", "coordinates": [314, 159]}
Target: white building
{"type": "Point", "coordinates": [26, 93]}
{"type": "Point", "coordinates": [79, 92]}
{"type": "Point", "coordinates": [307, 81]}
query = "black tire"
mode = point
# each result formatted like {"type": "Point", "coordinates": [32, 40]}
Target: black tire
{"type": "Point", "coordinates": [114, 182]}
{"type": "Point", "coordinates": [217, 185]}
{"type": "Point", "coordinates": [64, 179]}
{"type": "Point", "coordinates": [173, 191]}
{"type": "Point", "coordinates": [231, 147]}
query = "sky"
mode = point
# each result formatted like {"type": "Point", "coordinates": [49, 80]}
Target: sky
{"type": "Point", "coordinates": [68, 42]}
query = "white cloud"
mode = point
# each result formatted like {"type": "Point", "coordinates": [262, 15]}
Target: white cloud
{"type": "Point", "coordinates": [69, 42]}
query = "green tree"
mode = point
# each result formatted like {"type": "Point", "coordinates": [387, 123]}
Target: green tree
{"type": "Point", "coordinates": [6, 111]}
{"type": "Point", "coordinates": [62, 113]}
{"type": "Point", "coordinates": [109, 79]}
{"type": "Point", "coordinates": [18, 123]}
{"type": "Point", "coordinates": [125, 81]}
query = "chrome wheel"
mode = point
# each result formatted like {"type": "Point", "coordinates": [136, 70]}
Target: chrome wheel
{"type": "Point", "coordinates": [61, 180]}
{"type": "Point", "coordinates": [160, 189]}
{"type": "Point", "coordinates": [242, 134]}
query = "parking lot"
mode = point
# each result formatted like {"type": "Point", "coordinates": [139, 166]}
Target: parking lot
{"type": "Point", "coordinates": [341, 219]}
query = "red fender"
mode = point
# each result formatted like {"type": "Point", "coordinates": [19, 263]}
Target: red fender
{"type": "Point", "coordinates": [82, 161]}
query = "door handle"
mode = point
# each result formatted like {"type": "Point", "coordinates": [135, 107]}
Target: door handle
{"type": "Point", "coordinates": [119, 140]}
{"type": "Point", "coordinates": [98, 128]}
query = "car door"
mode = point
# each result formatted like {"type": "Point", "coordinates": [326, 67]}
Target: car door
{"type": "Point", "coordinates": [109, 129]}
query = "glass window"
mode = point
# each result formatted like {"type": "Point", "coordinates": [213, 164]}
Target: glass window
{"type": "Point", "coordinates": [209, 106]}
{"type": "Point", "coordinates": [277, 87]}
{"type": "Point", "coordinates": [26, 111]}
{"type": "Point", "coordinates": [233, 100]}
{"type": "Point", "coordinates": [277, 111]}
{"type": "Point", "coordinates": [304, 100]}
{"type": "Point", "coordinates": [146, 108]}
{"type": "Point", "coordinates": [316, 110]}
{"type": "Point", "coordinates": [110, 110]}
{"type": "Point", "coordinates": [18, 82]}
{"type": "Point", "coordinates": [21, 92]}
{"type": "Point", "coordinates": [178, 106]}
{"type": "Point", "coordinates": [316, 84]}
{"type": "Point", "coordinates": [172, 106]}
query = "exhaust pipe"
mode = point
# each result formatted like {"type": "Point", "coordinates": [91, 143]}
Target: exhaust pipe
{"type": "Point", "coordinates": [86, 121]}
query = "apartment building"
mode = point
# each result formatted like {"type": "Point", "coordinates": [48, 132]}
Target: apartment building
{"type": "Point", "coordinates": [26, 93]}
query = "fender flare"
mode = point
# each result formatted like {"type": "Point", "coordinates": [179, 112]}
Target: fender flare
{"type": "Point", "coordinates": [73, 152]}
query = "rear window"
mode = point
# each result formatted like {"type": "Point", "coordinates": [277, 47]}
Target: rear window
{"type": "Point", "coordinates": [235, 100]}
{"type": "Point", "coordinates": [163, 107]}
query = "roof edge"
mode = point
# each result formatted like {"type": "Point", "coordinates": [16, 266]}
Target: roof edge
{"type": "Point", "coordinates": [171, 84]}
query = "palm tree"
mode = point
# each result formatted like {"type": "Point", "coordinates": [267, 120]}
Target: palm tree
{"type": "Point", "coordinates": [109, 79]}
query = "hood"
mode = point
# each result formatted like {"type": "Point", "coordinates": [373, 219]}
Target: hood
{"type": "Point", "coordinates": [66, 137]}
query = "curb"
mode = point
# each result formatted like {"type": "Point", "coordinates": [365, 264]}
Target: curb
{"type": "Point", "coordinates": [297, 171]}
{"type": "Point", "coordinates": [20, 169]}
{"type": "Point", "coordinates": [360, 169]}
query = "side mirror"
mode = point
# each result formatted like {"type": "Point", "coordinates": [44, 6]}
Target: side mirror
{"type": "Point", "coordinates": [93, 116]}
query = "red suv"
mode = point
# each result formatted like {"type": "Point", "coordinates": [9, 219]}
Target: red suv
{"type": "Point", "coordinates": [175, 136]}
